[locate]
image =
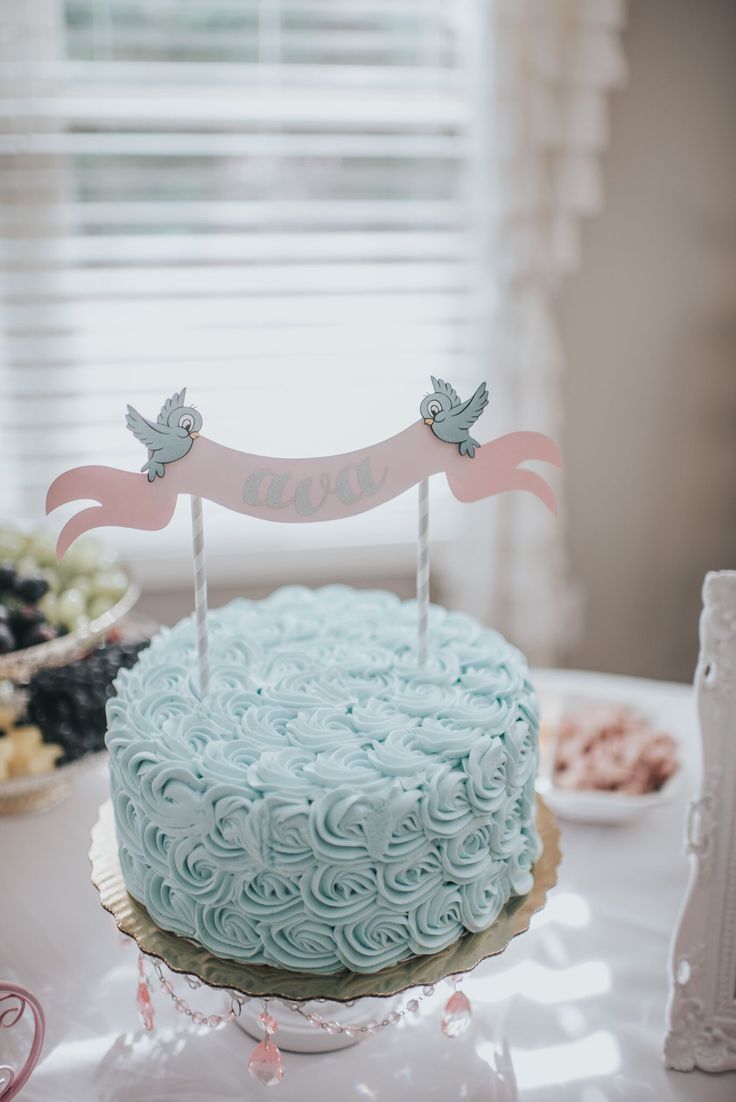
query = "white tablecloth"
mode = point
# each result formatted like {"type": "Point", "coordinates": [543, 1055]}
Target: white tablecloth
{"type": "Point", "coordinates": [573, 1011]}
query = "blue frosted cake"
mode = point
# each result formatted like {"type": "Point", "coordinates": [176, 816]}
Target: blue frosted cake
{"type": "Point", "coordinates": [327, 805]}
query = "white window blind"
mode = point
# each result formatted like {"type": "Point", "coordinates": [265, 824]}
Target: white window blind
{"type": "Point", "coordinates": [266, 202]}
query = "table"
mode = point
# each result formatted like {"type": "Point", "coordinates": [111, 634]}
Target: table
{"type": "Point", "coordinates": [573, 1011]}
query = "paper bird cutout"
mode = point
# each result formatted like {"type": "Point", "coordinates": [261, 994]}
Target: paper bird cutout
{"type": "Point", "coordinates": [177, 427]}
{"type": "Point", "coordinates": [449, 418]}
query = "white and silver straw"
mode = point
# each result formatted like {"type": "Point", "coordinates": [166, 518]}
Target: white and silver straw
{"type": "Point", "coordinates": [200, 594]}
{"type": "Point", "coordinates": [423, 573]}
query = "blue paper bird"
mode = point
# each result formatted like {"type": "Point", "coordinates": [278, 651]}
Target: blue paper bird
{"type": "Point", "coordinates": [449, 418]}
{"type": "Point", "coordinates": [176, 429]}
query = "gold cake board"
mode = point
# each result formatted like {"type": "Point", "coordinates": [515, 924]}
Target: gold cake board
{"type": "Point", "coordinates": [181, 955]}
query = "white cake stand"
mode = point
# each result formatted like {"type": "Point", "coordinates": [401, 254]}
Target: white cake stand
{"type": "Point", "coordinates": [296, 1034]}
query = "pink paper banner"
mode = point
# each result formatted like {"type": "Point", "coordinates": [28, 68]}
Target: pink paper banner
{"type": "Point", "coordinates": [300, 490]}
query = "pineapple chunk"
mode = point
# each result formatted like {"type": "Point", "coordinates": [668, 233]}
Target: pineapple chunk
{"type": "Point", "coordinates": [23, 753]}
{"type": "Point", "coordinates": [6, 756]}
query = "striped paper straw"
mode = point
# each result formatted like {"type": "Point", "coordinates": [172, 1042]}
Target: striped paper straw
{"type": "Point", "coordinates": [423, 573]}
{"type": "Point", "coordinates": [200, 594]}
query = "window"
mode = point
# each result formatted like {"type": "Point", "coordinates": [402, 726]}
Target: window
{"type": "Point", "coordinates": [267, 202]}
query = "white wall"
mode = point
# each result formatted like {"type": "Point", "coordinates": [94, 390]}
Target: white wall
{"type": "Point", "coordinates": [649, 326]}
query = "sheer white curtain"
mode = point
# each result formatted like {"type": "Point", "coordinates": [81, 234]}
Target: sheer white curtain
{"type": "Point", "coordinates": [544, 70]}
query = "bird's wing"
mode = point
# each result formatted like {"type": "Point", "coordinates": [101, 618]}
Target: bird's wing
{"type": "Point", "coordinates": [469, 412]}
{"type": "Point", "coordinates": [145, 431]}
{"type": "Point", "coordinates": [173, 402]}
{"type": "Point", "coordinates": [441, 387]}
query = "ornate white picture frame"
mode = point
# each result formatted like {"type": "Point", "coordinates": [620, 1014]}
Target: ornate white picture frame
{"type": "Point", "coordinates": [702, 1007]}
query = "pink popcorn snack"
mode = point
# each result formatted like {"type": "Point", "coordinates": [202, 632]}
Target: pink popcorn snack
{"type": "Point", "coordinates": [612, 748]}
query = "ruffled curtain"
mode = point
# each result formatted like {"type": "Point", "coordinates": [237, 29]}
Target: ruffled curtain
{"type": "Point", "coordinates": [545, 69]}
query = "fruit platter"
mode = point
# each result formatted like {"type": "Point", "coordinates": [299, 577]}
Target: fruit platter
{"type": "Point", "coordinates": [55, 725]}
{"type": "Point", "coordinates": [62, 642]}
{"type": "Point", "coordinates": [52, 613]}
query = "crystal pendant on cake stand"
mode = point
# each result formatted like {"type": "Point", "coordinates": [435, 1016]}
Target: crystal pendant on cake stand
{"type": "Point", "coordinates": [313, 1012]}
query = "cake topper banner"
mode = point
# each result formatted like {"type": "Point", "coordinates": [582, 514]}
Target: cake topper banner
{"type": "Point", "coordinates": [290, 490]}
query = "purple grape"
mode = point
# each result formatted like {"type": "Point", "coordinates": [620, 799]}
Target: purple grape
{"type": "Point", "coordinates": [68, 703]}
{"type": "Point", "coordinates": [39, 633]}
{"type": "Point", "coordinates": [7, 576]}
{"type": "Point", "coordinates": [31, 589]}
{"type": "Point", "coordinates": [23, 620]}
{"type": "Point", "coordinates": [7, 639]}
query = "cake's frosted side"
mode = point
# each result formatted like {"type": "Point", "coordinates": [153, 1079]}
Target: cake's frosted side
{"type": "Point", "coordinates": [327, 805]}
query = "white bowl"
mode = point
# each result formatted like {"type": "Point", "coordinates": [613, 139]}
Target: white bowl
{"type": "Point", "coordinates": [592, 805]}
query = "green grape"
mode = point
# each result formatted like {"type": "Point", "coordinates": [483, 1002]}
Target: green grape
{"type": "Point", "coordinates": [42, 546]}
{"type": "Point", "coordinates": [107, 562]}
{"type": "Point", "coordinates": [82, 582]}
{"type": "Point", "coordinates": [27, 566]}
{"type": "Point", "coordinates": [49, 606]}
{"type": "Point", "coordinates": [81, 558]}
{"type": "Point", "coordinates": [55, 579]}
{"type": "Point", "coordinates": [99, 605]}
{"type": "Point", "coordinates": [113, 584]}
{"type": "Point", "coordinates": [89, 553]}
{"type": "Point", "coordinates": [71, 608]}
{"type": "Point", "coordinates": [12, 544]}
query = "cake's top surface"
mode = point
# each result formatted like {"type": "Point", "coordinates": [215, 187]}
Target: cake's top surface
{"type": "Point", "coordinates": [312, 690]}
